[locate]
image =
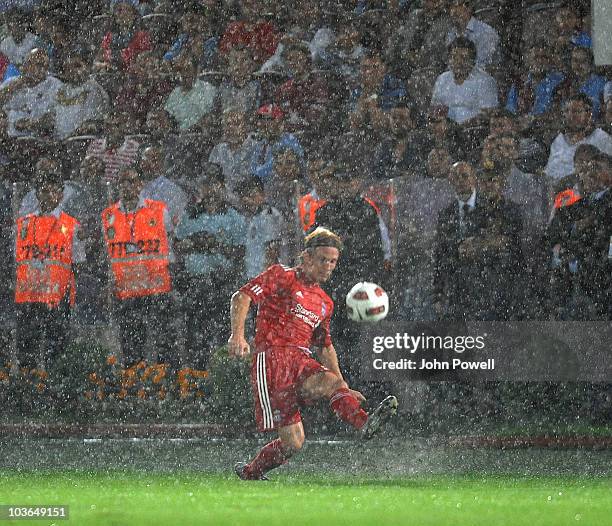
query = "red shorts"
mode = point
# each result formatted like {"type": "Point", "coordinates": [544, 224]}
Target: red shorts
{"type": "Point", "coordinates": [276, 377]}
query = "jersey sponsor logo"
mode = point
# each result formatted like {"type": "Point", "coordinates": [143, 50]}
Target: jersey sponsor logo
{"type": "Point", "coordinates": [307, 316]}
{"type": "Point", "coordinates": [256, 289]}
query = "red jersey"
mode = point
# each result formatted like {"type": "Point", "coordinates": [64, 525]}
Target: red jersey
{"type": "Point", "coordinates": [291, 312]}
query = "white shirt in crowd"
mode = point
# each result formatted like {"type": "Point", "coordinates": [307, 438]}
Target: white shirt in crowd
{"type": "Point", "coordinates": [471, 204]}
{"type": "Point", "coordinates": [465, 101]}
{"type": "Point", "coordinates": [319, 43]}
{"type": "Point", "coordinates": [236, 164]}
{"type": "Point", "coordinates": [262, 229]}
{"type": "Point", "coordinates": [32, 103]}
{"type": "Point", "coordinates": [171, 194]}
{"type": "Point", "coordinates": [561, 158]}
{"type": "Point", "coordinates": [484, 37]}
{"type": "Point", "coordinates": [78, 104]}
{"type": "Point", "coordinates": [189, 106]}
{"type": "Point", "coordinates": [17, 53]}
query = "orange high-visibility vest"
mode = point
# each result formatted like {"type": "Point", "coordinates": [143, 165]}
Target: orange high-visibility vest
{"type": "Point", "coordinates": [44, 259]}
{"type": "Point", "coordinates": [138, 249]}
{"type": "Point", "coordinates": [308, 206]}
{"type": "Point", "coordinates": [307, 209]}
{"type": "Point", "coordinates": [567, 198]}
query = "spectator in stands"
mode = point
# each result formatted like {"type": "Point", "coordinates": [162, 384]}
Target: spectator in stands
{"type": "Point", "coordinates": [157, 187]}
{"type": "Point", "coordinates": [378, 91]}
{"type": "Point", "coordinates": [236, 153]}
{"type": "Point", "coordinates": [211, 242]}
{"type": "Point", "coordinates": [438, 132]}
{"type": "Point", "coordinates": [309, 22]}
{"type": "Point", "coordinates": [146, 87]}
{"type": "Point", "coordinates": [138, 238]}
{"type": "Point", "coordinates": [395, 154]}
{"type": "Point", "coordinates": [115, 148]}
{"type": "Point", "coordinates": [125, 40]}
{"type": "Point", "coordinates": [579, 241]}
{"type": "Point", "coordinates": [484, 37]}
{"type": "Point", "coordinates": [159, 125]}
{"type": "Point", "coordinates": [239, 91]}
{"type": "Point", "coordinates": [344, 54]}
{"type": "Point", "coordinates": [499, 154]}
{"type": "Point", "coordinates": [250, 30]}
{"type": "Point", "coordinates": [48, 248]}
{"type": "Point", "coordinates": [81, 101]}
{"type": "Point", "coordinates": [274, 138]}
{"type": "Point", "coordinates": [465, 89]}
{"type": "Point", "coordinates": [85, 196]}
{"type": "Point", "coordinates": [421, 197]}
{"type": "Point", "coordinates": [421, 41]}
{"type": "Point", "coordinates": [16, 46]}
{"type": "Point", "coordinates": [583, 79]}
{"type": "Point", "coordinates": [303, 97]}
{"type": "Point", "coordinates": [197, 39]}
{"type": "Point", "coordinates": [53, 35]}
{"type": "Point", "coordinates": [451, 230]}
{"type": "Point", "coordinates": [579, 129]}
{"type": "Point", "coordinates": [532, 149]}
{"type": "Point", "coordinates": [192, 99]}
{"type": "Point", "coordinates": [478, 252]}
{"type": "Point", "coordinates": [285, 181]}
{"type": "Point", "coordinates": [263, 227]}
{"type": "Point", "coordinates": [373, 103]}
{"type": "Point", "coordinates": [536, 91]}
{"type": "Point", "coordinates": [30, 100]}
{"type": "Point", "coordinates": [438, 165]}
{"type": "Point", "coordinates": [571, 26]}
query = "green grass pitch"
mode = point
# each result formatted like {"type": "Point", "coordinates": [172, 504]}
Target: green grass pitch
{"type": "Point", "coordinates": [128, 498]}
{"type": "Point", "coordinates": [397, 483]}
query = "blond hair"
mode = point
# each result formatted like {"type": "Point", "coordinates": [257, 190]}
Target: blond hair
{"type": "Point", "coordinates": [322, 237]}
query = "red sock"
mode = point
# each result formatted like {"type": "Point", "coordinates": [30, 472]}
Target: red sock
{"type": "Point", "coordinates": [347, 408]}
{"type": "Point", "coordinates": [269, 457]}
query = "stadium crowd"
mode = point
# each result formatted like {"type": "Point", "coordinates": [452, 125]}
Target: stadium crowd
{"type": "Point", "coordinates": [154, 155]}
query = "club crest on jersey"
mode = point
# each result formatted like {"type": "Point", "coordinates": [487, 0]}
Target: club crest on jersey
{"type": "Point", "coordinates": [299, 294]}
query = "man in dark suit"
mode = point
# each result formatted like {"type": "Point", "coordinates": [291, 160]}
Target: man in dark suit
{"type": "Point", "coordinates": [478, 253]}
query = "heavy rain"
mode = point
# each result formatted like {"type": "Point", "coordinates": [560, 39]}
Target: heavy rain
{"type": "Point", "coordinates": [316, 262]}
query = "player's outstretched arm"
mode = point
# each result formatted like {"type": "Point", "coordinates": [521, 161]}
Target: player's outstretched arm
{"type": "Point", "coordinates": [239, 308]}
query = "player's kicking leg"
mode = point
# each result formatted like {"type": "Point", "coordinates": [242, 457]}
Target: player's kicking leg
{"type": "Point", "coordinates": [345, 404]}
{"type": "Point", "coordinates": [290, 440]}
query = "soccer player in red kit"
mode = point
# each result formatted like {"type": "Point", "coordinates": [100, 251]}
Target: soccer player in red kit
{"type": "Point", "coordinates": [293, 316]}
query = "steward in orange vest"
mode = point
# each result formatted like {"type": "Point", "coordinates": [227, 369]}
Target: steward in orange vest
{"type": "Point", "coordinates": [46, 249]}
{"type": "Point", "coordinates": [44, 259]}
{"type": "Point", "coordinates": [138, 250]}
{"type": "Point", "coordinates": [136, 234]}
